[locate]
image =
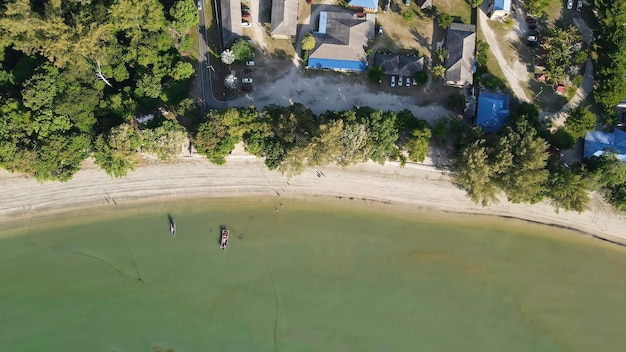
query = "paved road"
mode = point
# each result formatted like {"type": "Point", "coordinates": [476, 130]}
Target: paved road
{"type": "Point", "coordinates": [208, 100]}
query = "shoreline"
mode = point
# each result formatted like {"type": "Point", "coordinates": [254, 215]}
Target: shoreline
{"type": "Point", "coordinates": [416, 186]}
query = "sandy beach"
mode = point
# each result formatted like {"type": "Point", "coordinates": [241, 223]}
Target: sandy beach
{"type": "Point", "coordinates": [418, 185]}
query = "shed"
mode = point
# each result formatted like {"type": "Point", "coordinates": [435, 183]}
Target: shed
{"type": "Point", "coordinates": [367, 5]}
{"type": "Point", "coordinates": [499, 9]}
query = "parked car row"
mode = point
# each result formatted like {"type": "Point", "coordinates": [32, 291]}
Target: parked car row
{"type": "Point", "coordinates": [407, 81]}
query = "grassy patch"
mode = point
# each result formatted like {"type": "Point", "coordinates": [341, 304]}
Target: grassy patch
{"type": "Point", "coordinates": [552, 12]}
{"type": "Point", "coordinates": [459, 9]}
{"type": "Point", "coordinates": [402, 35]}
{"type": "Point", "coordinates": [193, 46]}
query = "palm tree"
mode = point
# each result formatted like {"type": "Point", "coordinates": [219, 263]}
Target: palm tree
{"type": "Point", "coordinates": [230, 81]}
{"type": "Point", "coordinates": [442, 54]}
{"type": "Point", "coordinates": [228, 57]}
{"type": "Point", "coordinates": [439, 71]}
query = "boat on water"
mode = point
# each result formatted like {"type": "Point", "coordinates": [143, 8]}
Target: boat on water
{"type": "Point", "coordinates": [173, 227]}
{"type": "Point", "coordinates": [224, 242]}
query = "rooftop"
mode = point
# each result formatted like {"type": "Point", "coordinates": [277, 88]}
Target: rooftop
{"type": "Point", "coordinates": [598, 142]}
{"type": "Point", "coordinates": [230, 16]}
{"type": "Point", "coordinates": [342, 39]}
{"type": "Point", "coordinates": [284, 17]}
{"type": "Point", "coordinates": [461, 43]}
{"type": "Point", "coordinates": [399, 64]}
{"type": "Point", "coordinates": [368, 4]}
{"type": "Point", "coordinates": [493, 111]}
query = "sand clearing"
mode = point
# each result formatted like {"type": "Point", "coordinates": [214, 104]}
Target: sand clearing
{"type": "Point", "coordinates": [416, 185]}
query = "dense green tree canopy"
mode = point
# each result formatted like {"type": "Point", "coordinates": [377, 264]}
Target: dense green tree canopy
{"type": "Point", "coordinates": [242, 50]}
{"type": "Point", "coordinates": [73, 70]}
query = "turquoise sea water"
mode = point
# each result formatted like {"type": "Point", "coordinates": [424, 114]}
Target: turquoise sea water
{"type": "Point", "coordinates": [316, 275]}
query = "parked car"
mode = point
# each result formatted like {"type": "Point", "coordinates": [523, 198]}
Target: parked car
{"type": "Point", "coordinates": [199, 3]}
{"type": "Point", "coordinates": [407, 2]}
{"type": "Point", "coordinates": [308, 2]}
{"type": "Point", "coordinates": [246, 80]}
{"type": "Point", "coordinates": [247, 88]}
{"type": "Point", "coordinates": [570, 4]}
{"type": "Point", "coordinates": [245, 8]}
{"type": "Point", "coordinates": [387, 4]}
{"type": "Point", "coordinates": [531, 20]}
{"type": "Point", "coordinates": [408, 82]}
{"type": "Point", "coordinates": [579, 5]}
{"type": "Point", "coordinates": [359, 15]}
{"type": "Point", "coordinates": [245, 24]}
{"type": "Point", "coordinates": [250, 63]}
{"type": "Point", "coordinates": [400, 81]}
{"type": "Point", "coordinates": [393, 81]}
{"type": "Point", "coordinates": [532, 26]}
{"type": "Point", "coordinates": [245, 15]}
{"type": "Point", "coordinates": [532, 40]}
{"type": "Point", "coordinates": [380, 30]}
{"type": "Point", "coordinates": [247, 71]}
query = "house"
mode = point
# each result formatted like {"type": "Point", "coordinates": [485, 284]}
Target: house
{"type": "Point", "coordinates": [230, 18]}
{"type": "Point", "coordinates": [461, 43]}
{"type": "Point", "coordinates": [284, 19]}
{"type": "Point", "coordinates": [499, 9]}
{"type": "Point", "coordinates": [493, 111]}
{"type": "Point", "coordinates": [598, 142]}
{"type": "Point", "coordinates": [341, 40]}
{"type": "Point", "coordinates": [560, 89]}
{"type": "Point", "coordinates": [425, 4]}
{"type": "Point", "coordinates": [367, 5]}
{"type": "Point", "coordinates": [402, 65]}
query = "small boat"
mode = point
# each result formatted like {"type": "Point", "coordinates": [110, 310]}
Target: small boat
{"type": "Point", "coordinates": [173, 227]}
{"type": "Point", "coordinates": [224, 243]}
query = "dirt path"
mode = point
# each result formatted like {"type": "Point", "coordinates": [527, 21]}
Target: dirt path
{"type": "Point", "coordinates": [558, 118]}
{"type": "Point", "coordinates": [513, 71]}
{"type": "Point", "coordinates": [415, 185]}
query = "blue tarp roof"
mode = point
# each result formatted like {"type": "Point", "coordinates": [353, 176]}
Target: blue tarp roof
{"type": "Point", "coordinates": [502, 5]}
{"type": "Point", "coordinates": [368, 4]}
{"type": "Point", "coordinates": [493, 111]}
{"type": "Point", "coordinates": [338, 64]}
{"type": "Point", "coordinates": [596, 142]}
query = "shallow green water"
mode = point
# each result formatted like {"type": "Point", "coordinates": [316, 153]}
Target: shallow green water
{"type": "Point", "coordinates": [316, 276]}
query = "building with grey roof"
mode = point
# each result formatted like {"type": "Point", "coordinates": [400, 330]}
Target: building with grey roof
{"type": "Point", "coordinates": [284, 18]}
{"type": "Point", "coordinates": [341, 41]}
{"type": "Point", "coordinates": [230, 20]}
{"type": "Point", "coordinates": [460, 43]}
{"type": "Point", "coordinates": [403, 65]}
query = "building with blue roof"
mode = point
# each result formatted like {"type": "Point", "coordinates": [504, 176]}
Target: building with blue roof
{"type": "Point", "coordinates": [598, 143]}
{"type": "Point", "coordinates": [340, 42]}
{"type": "Point", "coordinates": [367, 5]}
{"type": "Point", "coordinates": [499, 9]}
{"type": "Point", "coordinates": [493, 111]}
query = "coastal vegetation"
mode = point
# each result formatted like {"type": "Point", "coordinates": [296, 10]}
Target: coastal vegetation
{"type": "Point", "coordinates": [517, 162]}
{"type": "Point", "coordinates": [74, 74]}
{"type": "Point", "coordinates": [611, 60]}
{"type": "Point", "coordinates": [293, 138]}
